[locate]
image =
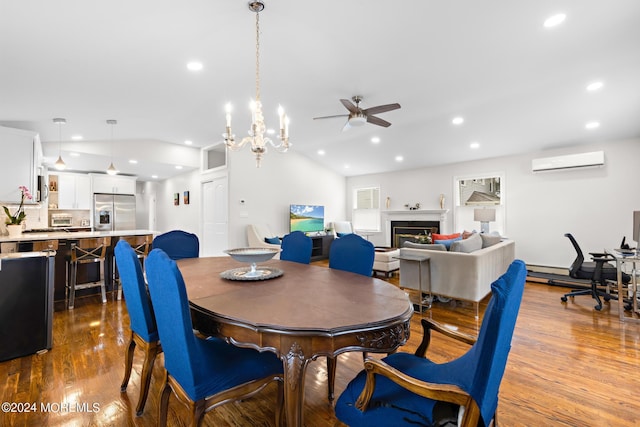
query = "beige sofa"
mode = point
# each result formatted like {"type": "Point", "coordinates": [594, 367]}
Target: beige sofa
{"type": "Point", "coordinates": [458, 275]}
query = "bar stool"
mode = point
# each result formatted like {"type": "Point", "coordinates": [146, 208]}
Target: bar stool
{"type": "Point", "coordinates": [141, 246]}
{"type": "Point", "coordinates": [85, 251]}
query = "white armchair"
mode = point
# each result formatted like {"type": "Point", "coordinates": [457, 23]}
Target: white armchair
{"type": "Point", "coordinates": [256, 233]}
{"type": "Point", "coordinates": [342, 227]}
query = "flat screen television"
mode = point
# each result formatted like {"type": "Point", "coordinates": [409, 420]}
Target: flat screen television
{"type": "Point", "coordinates": [306, 218]}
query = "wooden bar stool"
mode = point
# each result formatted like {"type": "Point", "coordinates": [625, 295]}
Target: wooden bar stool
{"type": "Point", "coordinates": [85, 251]}
{"type": "Point", "coordinates": [141, 246]}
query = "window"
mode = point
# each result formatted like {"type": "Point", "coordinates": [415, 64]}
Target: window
{"type": "Point", "coordinates": [366, 209]}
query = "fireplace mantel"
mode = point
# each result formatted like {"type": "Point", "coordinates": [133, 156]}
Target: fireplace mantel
{"type": "Point", "coordinates": [413, 215]}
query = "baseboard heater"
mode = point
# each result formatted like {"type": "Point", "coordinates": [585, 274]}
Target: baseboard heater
{"type": "Point", "coordinates": [570, 161]}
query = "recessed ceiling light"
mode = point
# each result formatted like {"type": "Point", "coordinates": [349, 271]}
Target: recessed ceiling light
{"type": "Point", "coordinates": [74, 154]}
{"type": "Point", "coordinates": [554, 20]}
{"type": "Point", "coordinates": [592, 87]}
{"type": "Point", "coordinates": [375, 140]}
{"type": "Point", "coordinates": [154, 176]}
{"type": "Point", "coordinates": [474, 145]}
{"type": "Point", "coordinates": [76, 137]}
{"type": "Point", "coordinates": [399, 158]}
{"type": "Point", "coordinates": [321, 152]}
{"type": "Point", "coordinates": [178, 167]}
{"type": "Point", "coordinates": [346, 166]}
{"type": "Point", "coordinates": [188, 142]}
{"type": "Point", "coordinates": [133, 161]}
{"type": "Point", "coordinates": [194, 66]}
{"type": "Point", "coordinates": [270, 131]}
{"type": "Point", "coordinates": [592, 125]}
{"type": "Point", "coordinates": [457, 120]}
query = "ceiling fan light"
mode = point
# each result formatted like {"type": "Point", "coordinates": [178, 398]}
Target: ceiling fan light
{"type": "Point", "coordinates": [357, 121]}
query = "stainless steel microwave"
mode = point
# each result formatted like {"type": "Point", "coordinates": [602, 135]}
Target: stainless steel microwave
{"type": "Point", "coordinates": [61, 220]}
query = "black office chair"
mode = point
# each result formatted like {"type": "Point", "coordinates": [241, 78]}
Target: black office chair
{"type": "Point", "coordinates": [598, 271]}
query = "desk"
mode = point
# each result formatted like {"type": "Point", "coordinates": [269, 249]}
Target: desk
{"type": "Point", "coordinates": [308, 312]}
{"type": "Point", "coordinates": [621, 260]}
{"type": "Point", "coordinates": [419, 259]}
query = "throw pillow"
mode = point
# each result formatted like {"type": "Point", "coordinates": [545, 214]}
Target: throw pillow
{"type": "Point", "coordinates": [272, 240]}
{"type": "Point", "coordinates": [342, 234]}
{"type": "Point", "coordinates": [435, 236]}
{"type": "Point", "coordinates": [466, 234]}
{"type": "Point", "coordinates": [430, 246]}
{"type": "Point", "coordinates": [490, 239]}
{"type": "Point", "coordinates": [447, 243]}
{"type": "Point", "coordinates": [468, 245]}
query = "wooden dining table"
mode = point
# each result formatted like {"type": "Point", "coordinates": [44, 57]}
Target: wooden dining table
{"type": "Point", "coordinates": [307, 312]}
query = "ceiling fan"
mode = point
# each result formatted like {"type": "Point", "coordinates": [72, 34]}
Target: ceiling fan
{"type": "Point", "coordinates": [358, 117]}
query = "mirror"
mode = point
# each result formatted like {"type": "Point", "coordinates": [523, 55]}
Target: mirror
{"type": "Point", "coordinates": [482, 191]}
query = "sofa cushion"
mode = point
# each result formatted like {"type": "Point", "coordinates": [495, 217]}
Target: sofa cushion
{"type": "Point", "coordinates": [470, 244]}
{"type": "Point", "coordinates": [436, 236]}
{"type": "Point", "coordinates": [447, 243]}
{"type": "Point", "coordinates": [431, 246]}
{"type": "Point", "coordinates": [490, 239]}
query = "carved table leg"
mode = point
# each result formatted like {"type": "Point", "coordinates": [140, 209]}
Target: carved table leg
{"type": "Point", "coordinates": [295, 366]}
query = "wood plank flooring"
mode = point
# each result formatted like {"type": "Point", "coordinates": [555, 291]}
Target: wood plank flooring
{"type": "Point", "coordinates": [569, 366]}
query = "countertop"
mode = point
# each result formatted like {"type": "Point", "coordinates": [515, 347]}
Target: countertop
{"type": "Point", "coordinates": [71, 235]}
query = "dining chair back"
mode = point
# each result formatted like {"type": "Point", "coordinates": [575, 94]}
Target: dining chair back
{"type": "Point", "coordinates": [297, 247]}
{"type": "Point", "coordinates": [393, 391]}
{"type": "Point", "coordinates": [352, 253]}
{"type": "Point", "coordinates": [144, 332]}
{"type": "Point", "coordinates": [202, 373]}
{"type": "Point", "coordinates": [178, 244]}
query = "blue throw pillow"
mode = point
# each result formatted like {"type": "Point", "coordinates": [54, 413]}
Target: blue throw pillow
{"type": "Point", "coordinates": [342, 234]}
{"type": "Point", "coordinates": [447, 243]}
{"type": "Point", "coordinates": [272, 240]}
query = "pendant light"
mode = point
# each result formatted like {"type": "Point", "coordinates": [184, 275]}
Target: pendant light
{"type": "Point", "coordinates": [60, 164]}
{"type": "Point", "coordinates": [111, 170]}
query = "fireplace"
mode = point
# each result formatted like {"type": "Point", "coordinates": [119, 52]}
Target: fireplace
{"type": "Point", "coordinates": [408, 231]}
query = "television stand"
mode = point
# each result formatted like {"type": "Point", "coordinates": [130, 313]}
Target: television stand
{"type": "Point", "coordinates": [320, 247]}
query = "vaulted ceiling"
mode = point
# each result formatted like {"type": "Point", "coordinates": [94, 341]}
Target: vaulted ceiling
{"type": "Point", "coordinates": [518, 85]}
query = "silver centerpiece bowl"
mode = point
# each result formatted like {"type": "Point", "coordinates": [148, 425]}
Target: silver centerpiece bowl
{"type": "Point", "coordinates": [252, 256]}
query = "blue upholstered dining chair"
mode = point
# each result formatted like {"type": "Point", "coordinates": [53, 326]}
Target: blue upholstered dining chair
{"type": "Point", "coordinates": [352, 253]}
{"type": "Point", "coordinates": [178, 244]}
{"type": "Point", "coordinates": [203, 373]}
{"type": "Point", "coordinates": [144, 332]}
{"type": "Point", "coordinates": [296, 246]}
{"type": "Point", "coordinates": [409, 389]}
{"type": "Point", "coordinates": [355, 254]}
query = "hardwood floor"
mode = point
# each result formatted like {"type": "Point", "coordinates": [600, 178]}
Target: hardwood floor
{"type": "Point", "coordinates": [569, 366]}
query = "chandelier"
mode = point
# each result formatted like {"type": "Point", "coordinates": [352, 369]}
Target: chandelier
{"type": "Point", "coordinates": [257, 136]}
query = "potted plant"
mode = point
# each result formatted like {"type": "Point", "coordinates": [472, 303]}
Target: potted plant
{"type": "Point", "coordinates": [14, 221]}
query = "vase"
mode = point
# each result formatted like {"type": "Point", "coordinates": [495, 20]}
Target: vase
{"type": "Point", "coordinates": [15, 230]}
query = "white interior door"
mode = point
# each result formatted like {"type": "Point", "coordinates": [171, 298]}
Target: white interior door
{"type": "Point", "coordinates": [215, 217]}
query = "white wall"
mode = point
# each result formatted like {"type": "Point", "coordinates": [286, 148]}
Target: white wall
{"type": "Point", "coordinates": [593, 204]}
{"type": "Point", "coordinates": [283, 179]}
{"type": "Point", "coordinates": [180, 217]}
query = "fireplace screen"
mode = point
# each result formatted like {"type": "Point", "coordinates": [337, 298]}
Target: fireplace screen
{"type": "Point", "coordinates": [412, 231]}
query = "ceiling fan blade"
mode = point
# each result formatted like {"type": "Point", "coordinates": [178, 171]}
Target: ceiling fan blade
{"type": "Point", "coordinates": [381, 109]}
{"type": "Point", "coordinates": [349, 105]}
{"type": "Point", "coordinates": [378, 121]}
{"type": "Point", "coordinates": [331, 117]}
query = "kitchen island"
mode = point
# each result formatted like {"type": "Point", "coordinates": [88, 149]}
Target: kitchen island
{"type": "Point", "coordinates": [60, 241]}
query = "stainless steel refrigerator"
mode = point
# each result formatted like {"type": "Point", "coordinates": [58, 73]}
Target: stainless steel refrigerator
{"type": "Point", "coordinates": [113, 212]}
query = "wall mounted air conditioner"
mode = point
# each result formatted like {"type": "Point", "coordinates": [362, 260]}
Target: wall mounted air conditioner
{"type": "Point", "coordinates": [570, 161]}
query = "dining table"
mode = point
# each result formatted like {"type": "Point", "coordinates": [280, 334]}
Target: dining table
{"type": "Point", "coordinates": [298, 311]}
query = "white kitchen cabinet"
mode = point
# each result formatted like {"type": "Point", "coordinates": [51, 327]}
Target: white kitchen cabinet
{"type": "Point", "coordinates": [74, 191]}
{"type": "Point", "coordinates": [17, 163]}
{"type": "Point", "coordinates": [113, 184]}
